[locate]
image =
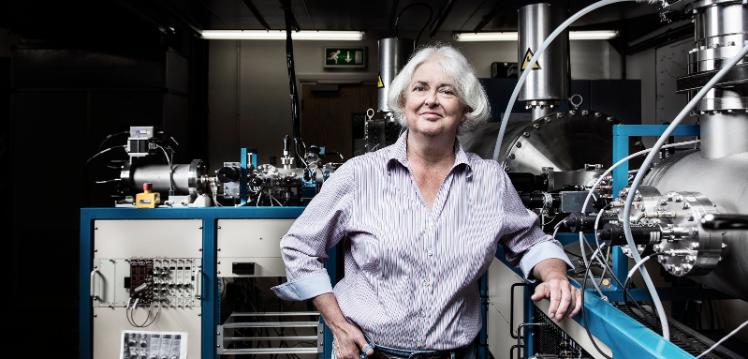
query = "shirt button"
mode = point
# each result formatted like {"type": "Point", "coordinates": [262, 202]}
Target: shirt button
{"type": "Point", "coordinates": [431, 253]}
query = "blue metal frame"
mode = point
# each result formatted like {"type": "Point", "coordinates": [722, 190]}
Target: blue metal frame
{"type": "Point", "coordinates": [483, 335]}
{"type": "Point", "coordinates": [625, 336]}
{"type": "Point", "coordinates": [210, 305]}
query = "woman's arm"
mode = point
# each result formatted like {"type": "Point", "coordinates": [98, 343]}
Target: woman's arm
{"type": "Point", "coordinates": [348, 338]}
{"type": "Point", "coordinates": [537, 254]}
{"type": "Point", "coordinates": [320, 227]}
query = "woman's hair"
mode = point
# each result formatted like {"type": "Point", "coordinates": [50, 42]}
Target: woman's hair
{"type": "Point", "coordinates": [469, 90]}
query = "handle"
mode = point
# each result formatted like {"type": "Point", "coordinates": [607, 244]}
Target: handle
{"type": "Point", "coordinates": [199, 284]}
{"type": "Point", "coordinates": [511, 308]}
{"type": "Point", "coordinates": [92, 284]}
{"type": "Point", "coordinates": [718, 222]}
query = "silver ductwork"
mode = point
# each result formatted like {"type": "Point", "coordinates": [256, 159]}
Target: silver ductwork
{"type": "Point", "coordinates": [721, 28]}
{"type": "Point", "coordinates": [548, 83]}
{"type": "Point", "coordinates": [393, 55]}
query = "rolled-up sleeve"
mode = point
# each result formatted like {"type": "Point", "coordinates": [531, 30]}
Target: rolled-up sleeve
{"type": "Point", "coordinates": [320, 227]}
{"type": "Point", "coordinates": [524, 243]}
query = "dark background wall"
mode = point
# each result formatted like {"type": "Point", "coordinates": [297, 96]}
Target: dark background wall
{"type": "Point", "coordinates": [71, 73]}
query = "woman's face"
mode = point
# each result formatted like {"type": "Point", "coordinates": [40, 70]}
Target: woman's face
{"type": "Point", "coordinates": [432, 107]}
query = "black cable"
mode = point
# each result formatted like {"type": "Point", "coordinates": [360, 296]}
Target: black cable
{"type": "Point", "coordinates": [109, 137]}
{"type": "Point", "coordinates": [97, 154]}
{"type": "Point", "coordinates": [583, 289]}
{"type": "Point", "coordinates": [431, 15]}
{"type": "Point", "coordinates": [618, 282]}
{"type": "Point", "coordinates": [295, 117]}
{"type": "Point", "coordinates": [584, 315]}
{"type": "Point", "coordinates": [625, 302]}
{"type": "Point", "coordinates": [572, 253]}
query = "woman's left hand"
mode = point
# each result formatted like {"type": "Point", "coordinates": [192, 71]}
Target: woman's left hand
{"type": "Point", "coordinates": [566, 299]}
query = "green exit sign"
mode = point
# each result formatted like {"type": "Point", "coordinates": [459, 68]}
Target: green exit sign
{"type": "Point", "coordinates": [345, 57]}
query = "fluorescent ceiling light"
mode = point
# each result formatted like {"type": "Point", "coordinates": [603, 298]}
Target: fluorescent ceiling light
{"type": "Point", "coordinates": [512, 36]}
{"type": "Point", "coordinates": [486, 36]}
{"type": "Point", "coordinates": [592, 35]}
{"type": "Point", "coordinates": [281, 35]}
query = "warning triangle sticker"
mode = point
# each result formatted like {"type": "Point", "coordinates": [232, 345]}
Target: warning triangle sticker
{"type": "Point", "coordinates": [528, 56]}
{"type": "Point", "coordinates": [380, 85]}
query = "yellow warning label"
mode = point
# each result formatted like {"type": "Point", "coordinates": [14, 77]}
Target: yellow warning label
{"type": "Point", "coordinates": [380, 85]}
{"type": "Point", "coordinates": [528, 56]}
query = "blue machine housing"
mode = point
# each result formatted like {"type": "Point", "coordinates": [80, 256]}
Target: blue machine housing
{"type": "Point", "coordinates": [210, 304]}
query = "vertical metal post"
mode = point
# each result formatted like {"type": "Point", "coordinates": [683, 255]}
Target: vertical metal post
{"type": "Point", "coordinates": [529, 318]}
{"type": "Point", "coordinates": [620, 263]}
{"type": "Point", "coordinates": [85, 315]}
{"type": "Point", "coordinates": [483, 335]}
{"type": "Point", "coordinates": [243, 174]}
{"type": "Point", "coordinates": [332, 270]}
{"type": "Point", "coordinates": [210, 300]}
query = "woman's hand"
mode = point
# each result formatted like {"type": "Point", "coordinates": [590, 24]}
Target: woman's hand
{"type": "Point", "coordinates": [566, 299]}
{"type": "Point", "coordinates": [349, 342]}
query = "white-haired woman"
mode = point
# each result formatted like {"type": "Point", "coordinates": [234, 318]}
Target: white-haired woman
{"type": "Point", "coordinates": [423, 220]}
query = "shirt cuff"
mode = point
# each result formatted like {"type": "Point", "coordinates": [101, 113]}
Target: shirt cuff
{"type": "Point", "coordinates": [540, 252]}
{"type": "Point", "coordinates": [305, 288]}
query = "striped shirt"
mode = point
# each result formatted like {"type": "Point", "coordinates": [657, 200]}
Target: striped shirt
{"type": "Point", "coordinates": [411, 272]}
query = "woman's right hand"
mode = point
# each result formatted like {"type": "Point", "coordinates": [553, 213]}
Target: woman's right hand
{"type": "Point", "coordinates": [349, 342]}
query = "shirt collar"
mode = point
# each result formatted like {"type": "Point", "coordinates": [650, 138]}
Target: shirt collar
{"type": "Point", "coordinates": [398, 153]}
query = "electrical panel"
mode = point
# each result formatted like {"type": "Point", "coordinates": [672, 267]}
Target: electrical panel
{"type": "Point", "coordinates": [146, 288]}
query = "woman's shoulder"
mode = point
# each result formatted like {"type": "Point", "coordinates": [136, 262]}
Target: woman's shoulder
{"type": "Point", "coordinates": [481, 165]}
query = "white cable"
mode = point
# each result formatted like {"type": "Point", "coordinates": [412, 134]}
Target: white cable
{"type": "Point", "coordinates": [741, 326]}
{"type": "Point", "coordinates": [643, 169]}
{"type": "Point", "coordinates": [606, 266]}
{"type": "Point", "coordinates": [639, 264]}
{"type": "Point", "coordinates": [276, 200]}
{"type": "Point", "coordinates": [597, 242]}
{"type": "Point", "coordinates": [534, 60]}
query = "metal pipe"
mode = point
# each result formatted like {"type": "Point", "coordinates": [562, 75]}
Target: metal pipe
{"type": "Point", "coordinates": [719, 32]}
{"type": "Point", "coordinates": [393, 55]}
{"type": "Point", "coordinates": [548, 82]}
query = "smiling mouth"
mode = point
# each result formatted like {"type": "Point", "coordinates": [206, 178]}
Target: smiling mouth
{"type": "Point", "coordinates": [431, 115]}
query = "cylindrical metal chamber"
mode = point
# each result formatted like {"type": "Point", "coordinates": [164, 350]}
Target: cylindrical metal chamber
{"type": "Point", "coordinates": [393, 55]}
{"type": "Point", "coordinates": [721, 29]}
{"type": "Point", "coordinates": [564, 141]}
{"type": "Point", "coordinates": [725, 182]}
{"type": "Point", "coordinates": [185, 178]}
{"type": "Point", "coordinates": [548, 82]}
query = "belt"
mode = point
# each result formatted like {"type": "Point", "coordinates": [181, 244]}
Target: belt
{"type": "Point", "coordinates": [458, 353]}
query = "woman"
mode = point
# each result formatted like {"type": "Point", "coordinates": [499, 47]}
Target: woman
{"type": "Point", "coordinates": [424, 219]}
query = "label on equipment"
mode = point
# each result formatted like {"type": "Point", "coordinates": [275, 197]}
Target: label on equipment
{"type": "Point", "coordinates": [142, 344]}
{"type": "Point", "coordinates": [528, 56]}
